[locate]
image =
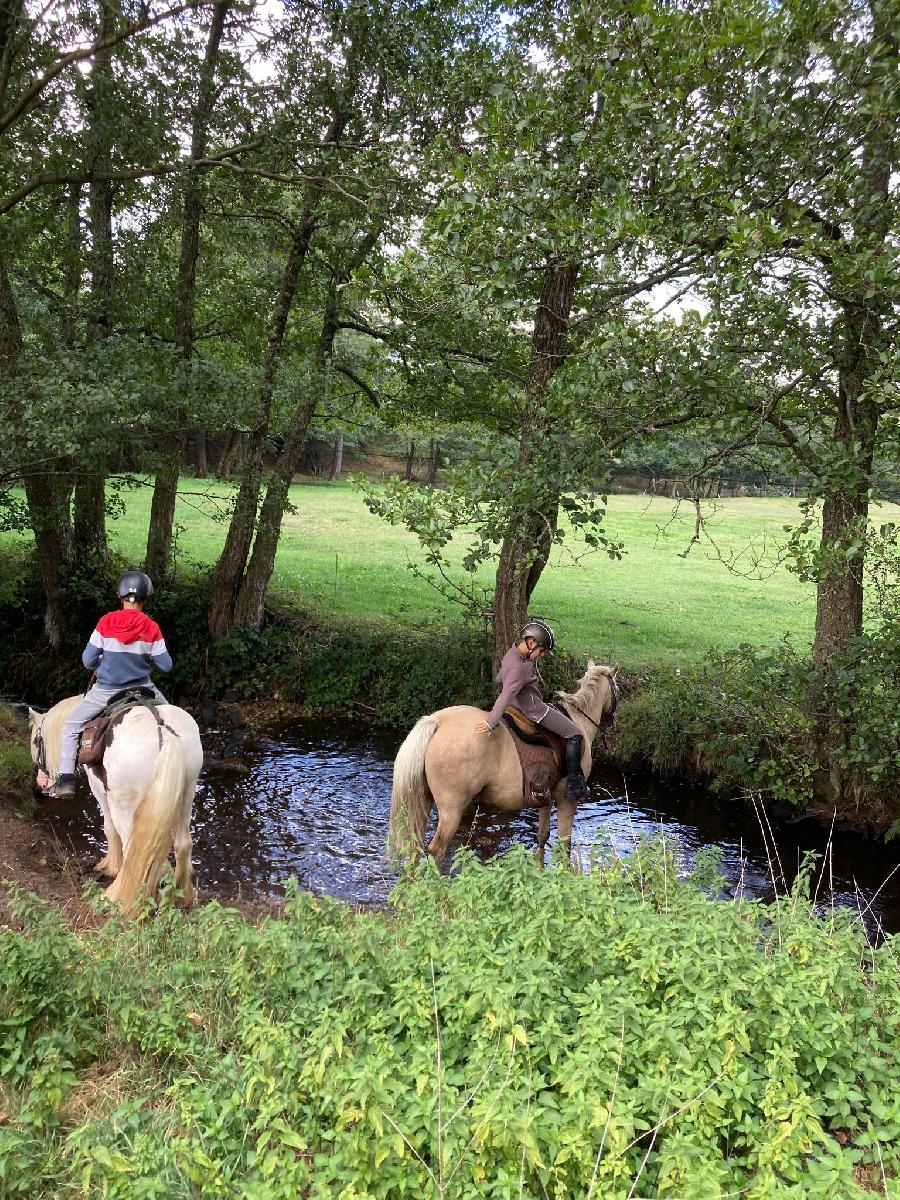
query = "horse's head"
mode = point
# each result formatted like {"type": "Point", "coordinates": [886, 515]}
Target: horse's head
{"type": "Point", "coordinates": [597, 696]}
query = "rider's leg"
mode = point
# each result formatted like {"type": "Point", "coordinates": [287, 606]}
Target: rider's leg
{"type": "Point", "coordinates": [90, 704]}
{"type": "Point", "coordinates": [557, 722]}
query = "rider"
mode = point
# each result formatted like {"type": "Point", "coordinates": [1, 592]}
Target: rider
{"type": "Point", "coordinates": [121, 650]}
{"type": "Point", "coordinates": [519, 686]}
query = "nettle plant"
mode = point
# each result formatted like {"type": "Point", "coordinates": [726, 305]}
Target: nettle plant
{"type": "Point", "coordinates": [500, 1033]}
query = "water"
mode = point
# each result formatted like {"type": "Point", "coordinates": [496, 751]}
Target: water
{"type": "Point", "coordinates": [313, 802]}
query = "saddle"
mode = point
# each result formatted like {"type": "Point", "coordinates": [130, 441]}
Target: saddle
{"type": "Point", "coordinates": [541, 755]}
{"type": "Point", "coordinates": [97, 732]}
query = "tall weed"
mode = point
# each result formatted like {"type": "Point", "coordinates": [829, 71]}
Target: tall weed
{"type": "Point", "coordinates": [505, 1032]}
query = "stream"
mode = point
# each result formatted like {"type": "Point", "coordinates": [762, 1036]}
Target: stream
{"type": "Point", "coordinates": [312, 800]}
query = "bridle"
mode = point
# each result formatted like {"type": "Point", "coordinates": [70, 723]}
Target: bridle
{"type": "Point", "coordinates": [40, 748]}
{"type": "Point", "coordinates": [606, 717]}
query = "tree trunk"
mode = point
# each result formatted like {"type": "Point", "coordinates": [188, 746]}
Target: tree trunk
{"type": "Point", "coordinates": [434, 461]}
{"type": "Point", "coordinates": [410, 460]}
{"type": "Point", "coordinates": [158, 560]}
{"type": "Point", "coordinates": [250, 607]}
{"type": "Point", "coordinates": [72, 269]}
{"type": "Point", "coordinates": [90, 485]}
{"type": "Point", "coordinates": [845, 509]}
{"type": "Point", "coordinates": [526, 544]}
{"type": "Point", "coordinates": [337, 462]}
{"type": "Point", "coordinates": [228, 448]}
{"type": "Point", "coordinates": [230, 567]}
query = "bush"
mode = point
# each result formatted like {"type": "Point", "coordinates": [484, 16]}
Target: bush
{"type": "Point", "coordinates": [502, 1033]}
{"type": "Point", "coordinates": [16, 769]}
{"type": "Point", "coordinates": [751, 719]}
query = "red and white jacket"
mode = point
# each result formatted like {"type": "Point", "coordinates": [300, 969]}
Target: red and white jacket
{"type": "Point", "coordinates": [123, 647]}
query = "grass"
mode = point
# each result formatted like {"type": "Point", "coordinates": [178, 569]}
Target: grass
{"type": "Point", "coordinates": [654, 608]}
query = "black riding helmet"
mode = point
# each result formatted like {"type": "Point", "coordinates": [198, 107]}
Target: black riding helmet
{"type": "Point", "coordinates": [541, 632]}
{"type": "Point", "coordinates": [134, 585]}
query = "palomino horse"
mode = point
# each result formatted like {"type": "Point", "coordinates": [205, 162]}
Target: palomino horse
{"type": "Point", "coordinates": [446, 762]}
{"type": "Point", "coordinates": [146, 797]}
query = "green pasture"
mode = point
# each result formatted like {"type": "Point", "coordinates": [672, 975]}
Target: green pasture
{"type": "Point", "coordinates": [654, 607]}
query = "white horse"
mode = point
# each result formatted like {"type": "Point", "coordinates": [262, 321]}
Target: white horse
{"type": "Point", "coordinates": [145, 791]}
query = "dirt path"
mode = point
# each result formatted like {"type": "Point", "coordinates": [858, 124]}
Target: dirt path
{"type": "Point", "coordinates": [32, 860]}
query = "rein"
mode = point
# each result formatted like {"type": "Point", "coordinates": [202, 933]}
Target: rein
{"type": "Point", "coordinates": [40, 749]}
{"type": "Point", "coordinates": [606, 718]}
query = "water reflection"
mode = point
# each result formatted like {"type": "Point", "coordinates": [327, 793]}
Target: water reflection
{"type": "Point", "coordinates": [314, 803]}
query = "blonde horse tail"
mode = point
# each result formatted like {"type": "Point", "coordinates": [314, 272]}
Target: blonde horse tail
{"type": "Point", "coordinates": [153, 831]}
{"type": "Point", "coordinates": [411, 799]}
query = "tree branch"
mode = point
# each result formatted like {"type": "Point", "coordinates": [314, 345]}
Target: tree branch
{"type": "Point", "coordinates": [84, 52]}
{"type": "Point", "coordinates": [360, 383]}
{"type": "Point", "coordinates": [50, 179]}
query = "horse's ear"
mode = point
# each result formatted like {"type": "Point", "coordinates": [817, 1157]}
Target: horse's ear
{"type": "Point", "coordinates": [615, 671]}
{"type": "Point", "coordinates": [591, 664]}
{"type": "Point", "coordinates": [33, 717]}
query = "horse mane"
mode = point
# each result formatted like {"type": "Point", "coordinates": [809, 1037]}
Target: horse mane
{"type": "Point", "coordinates": [51, 730]}
{"type": "Point", "coordinates": [591, 683]}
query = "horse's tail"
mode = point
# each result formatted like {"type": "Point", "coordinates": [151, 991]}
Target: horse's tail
{"type": "Point", "coordinates": [410, 796]}
{"type": "Point", "coordinates": [153, 832]}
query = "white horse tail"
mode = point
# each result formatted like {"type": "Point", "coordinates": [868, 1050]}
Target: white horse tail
{"type": "Point", "coordinates": [411, 799]}
{"type": "Point", "coordinates": [153, 831]}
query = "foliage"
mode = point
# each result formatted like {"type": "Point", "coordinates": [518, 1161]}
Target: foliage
{"type": "Point", "coordinates": [16, 769]}
{"type": "Point", "coordinates": [504, 1032]}
{"type": "Point", "coordinates": [747, 718]}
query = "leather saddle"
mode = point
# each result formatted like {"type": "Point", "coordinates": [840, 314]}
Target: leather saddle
{"type": "Point", "coordinates": [541, 754]}
{"type": "Point", "coordinates": [96, 733]}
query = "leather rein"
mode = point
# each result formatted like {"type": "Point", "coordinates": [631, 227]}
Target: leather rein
{"type": "Point", "coordinates": [606, 718]}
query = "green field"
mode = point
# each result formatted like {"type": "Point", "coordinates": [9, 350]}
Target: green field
{"type": "Point", "coordinates": [651, 608]}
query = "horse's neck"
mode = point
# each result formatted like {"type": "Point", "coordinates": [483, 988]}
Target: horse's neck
{"type": "Point", "coordinates": [585, 716]}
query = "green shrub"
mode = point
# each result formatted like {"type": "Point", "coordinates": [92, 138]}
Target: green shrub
{"type": "Point", "coordinates": [505, 1032]}
{"type": "Point", "coordinates": [16, 769]}
{"type": "Point", "coordinates": [752, 719]}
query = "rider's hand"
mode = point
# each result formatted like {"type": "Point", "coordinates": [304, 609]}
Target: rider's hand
{"type": "Point", "coordinates": [482, 727]}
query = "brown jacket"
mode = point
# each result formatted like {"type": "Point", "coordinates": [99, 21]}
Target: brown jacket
{"type": "Point", "coordinates": [518, 686]}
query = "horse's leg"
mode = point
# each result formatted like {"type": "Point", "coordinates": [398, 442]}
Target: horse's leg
{"type": "Point", "coordinates": [449, 809]}
{"type": "Point", "coordinates": [111, 862]}
{"type": "Point", "coordinates": [565, 819]}
{"type": "Point", "coordinates": [183, 847]}
{"type": "Point", "coordinates": [543, 834]}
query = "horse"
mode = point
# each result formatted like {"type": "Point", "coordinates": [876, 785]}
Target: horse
{"type": "Point", "coordinates": [445, 762]}
{"type": "Point", "coordinates": [145, 788]}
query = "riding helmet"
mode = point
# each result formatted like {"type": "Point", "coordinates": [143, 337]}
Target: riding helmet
{"type": "Point", "coordinates": [134, 585]}
{"type": "Point", "coordinates": [541, 632]}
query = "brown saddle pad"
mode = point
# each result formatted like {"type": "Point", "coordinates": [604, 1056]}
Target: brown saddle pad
{"type": "Point", "coordinates": [93, 741]}
{"type": "Point", "coordinates": [541, 755]}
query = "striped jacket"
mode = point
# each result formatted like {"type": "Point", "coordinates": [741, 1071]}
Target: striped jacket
{"type": "Point", "coordinates": [123, 647]}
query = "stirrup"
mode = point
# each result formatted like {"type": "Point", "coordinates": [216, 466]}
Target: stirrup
{"type": "Point", "coordinates": [63, 785]}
